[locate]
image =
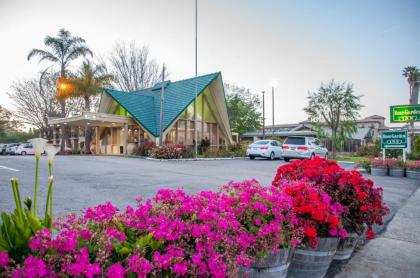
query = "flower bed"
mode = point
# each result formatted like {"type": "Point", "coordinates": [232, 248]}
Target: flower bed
{"type": "Point", "coordinates": [207, 233]}
{"type": "Point", "coordinates": [361, 201]}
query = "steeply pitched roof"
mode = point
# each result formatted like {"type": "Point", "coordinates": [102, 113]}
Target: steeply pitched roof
{"type": "Point", "coordinates": [144, 105]}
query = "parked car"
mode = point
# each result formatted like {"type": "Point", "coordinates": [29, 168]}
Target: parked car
{"type": "Point", "coordinates": [10, 149]}
{"type": "Point", "coordinates": [25, 149]}
{"type": "Point", "coordinates": [3, 148]}
{"type": "Point", "coordinates": [302, 147]}
{"type": "Point", "coordinates": [270, 149]}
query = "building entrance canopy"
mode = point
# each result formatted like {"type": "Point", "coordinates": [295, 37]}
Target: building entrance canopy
{"type": "Point", "coordinates": [111, 132]}
{"type": "Point", "coordinates": [94, 119]}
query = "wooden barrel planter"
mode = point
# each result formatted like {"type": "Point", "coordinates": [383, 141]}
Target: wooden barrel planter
{"type": "Point", "coordinates": [396, 172]}
{"type": "Point", "coordinates": [346, 247]}
{"type": "Point", "coordinates": [413, 174]}
{"type": "Point", "coordinates": [274, 265]}
{"type": "Point", "coordinates": [380, 171]}
{"type": "Point", "coordinates": [313, 262]}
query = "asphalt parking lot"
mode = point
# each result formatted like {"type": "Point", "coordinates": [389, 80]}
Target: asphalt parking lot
{"type": "Point", "coordinates": [82, 181]}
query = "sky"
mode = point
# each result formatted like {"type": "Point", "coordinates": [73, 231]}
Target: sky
{"type": "Point", "coordinates": [295, 45]}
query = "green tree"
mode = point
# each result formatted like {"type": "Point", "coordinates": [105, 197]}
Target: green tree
{"type": "Point", "coordinates": [63, 49]}
{"type": "Point", "coordinates": [5, 116]}
{"type": "Point", "coordinates": [88, 84]}
{"type": "Point", "coordinates": [336, 107]}
{"type": "Point", "coordinates": [243, 109]}
{"type": "Point", "coordinates": [412, 74]}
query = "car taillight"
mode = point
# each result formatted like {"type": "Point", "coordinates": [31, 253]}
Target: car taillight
{"type": "Point", "coordinates": [264, 148]}
{"type": "Point", "coordinates": [303, 148]}
{"type": "Point", "coordinates": [285, 147]}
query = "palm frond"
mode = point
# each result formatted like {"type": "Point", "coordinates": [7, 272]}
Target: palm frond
{"type": "Point", "coordinates": [44, 55]}
{"type": "Point", "coordinates": [77, 52]}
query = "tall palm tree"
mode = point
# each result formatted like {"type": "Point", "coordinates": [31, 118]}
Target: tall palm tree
{"type": "Point", "coordinates": [412, 74]}
{"type": "Point", "coordinates": [88, 84]}
{"type": "Point", "coordinates": [63, 49]}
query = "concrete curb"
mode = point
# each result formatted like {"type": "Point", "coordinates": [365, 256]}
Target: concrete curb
{"type": "Point", "coordinates": [196, 159]}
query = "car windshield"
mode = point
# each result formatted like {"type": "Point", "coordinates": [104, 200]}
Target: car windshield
{"type": "Point", "coordinates": [261, 142]}
{"type": "Point", "coordinates": [295, 141]}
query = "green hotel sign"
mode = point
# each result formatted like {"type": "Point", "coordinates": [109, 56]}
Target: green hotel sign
{"type": "Point", "coordinates": [405, 113]}
{"type": "Point", "coordinates": [394, 139]}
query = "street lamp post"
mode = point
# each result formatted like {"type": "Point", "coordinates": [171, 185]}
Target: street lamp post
{"type": "Point", "coordinates": [263, 118]}
{"type": "Point", "coordinates": [196, 85]}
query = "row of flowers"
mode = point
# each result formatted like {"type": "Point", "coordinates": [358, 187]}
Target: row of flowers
{"type": "Point", "coordinates": [208, 233]}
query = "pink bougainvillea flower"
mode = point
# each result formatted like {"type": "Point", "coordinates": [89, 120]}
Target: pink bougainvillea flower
{"type": "Point", "coordinates": [4, 260]}
{"type": "Point", "coordinates": [116, 271]}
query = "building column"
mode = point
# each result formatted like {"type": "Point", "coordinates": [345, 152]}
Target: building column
{"type": "Point", "coordinates": [97, 137]}
{"type": "Point", "coordinates": [187, 132]}
{"type": "Point", "coordinates": [217, 136]}
{"type": "Point", "coordinates": [111, 140]}
{"type": "Point", "coordinates": [125, 138]}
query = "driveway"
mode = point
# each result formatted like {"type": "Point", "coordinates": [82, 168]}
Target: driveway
{"type": "Point", "coordinates": [82, 181]}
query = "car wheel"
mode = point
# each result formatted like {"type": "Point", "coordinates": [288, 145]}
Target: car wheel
{"type": "Point", "coordinates": [252, 157]}
{"type": "Point", "coordinates": [23, 153]}
{"type": "Point", "coordinates": [272, 156]}
{"type": "Point", "coordinates": [286, 159]}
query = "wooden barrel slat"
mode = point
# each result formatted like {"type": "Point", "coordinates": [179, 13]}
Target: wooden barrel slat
{"type": "Point", "coordinates": [274, 265]}
{"type": "Point", "coordinates": [313, 262]}
{"type": "Point", "coordinates": [346, 247]}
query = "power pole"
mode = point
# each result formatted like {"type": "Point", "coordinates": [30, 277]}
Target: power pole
{"type": "Point", "coordinates": [196, 85]}
{"type": "Point", "coordinates": [263, 118]}
{"type": "Point", "coordinates": [162, 103]}
{"type": "Point", "coordinates": [272, 94]}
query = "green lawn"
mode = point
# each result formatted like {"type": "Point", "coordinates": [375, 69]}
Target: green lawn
{"type": "Point", "coordinates": [348, 158]}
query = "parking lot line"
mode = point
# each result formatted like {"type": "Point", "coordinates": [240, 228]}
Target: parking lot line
{"type": "Point", "coordinates": [7, 168]}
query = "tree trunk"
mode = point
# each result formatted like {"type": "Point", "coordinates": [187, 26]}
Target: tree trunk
{"type": "Point", "coordinates": [334, 142]}
{"type": "Point", "coordinates": [414, 99]}
{"type": "Point", "coordinates": [62, 127]}
{"type": "Point", "coordinates": [88, 129]}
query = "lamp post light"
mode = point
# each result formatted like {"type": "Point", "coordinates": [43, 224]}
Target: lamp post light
{"type": "Point", "coordinates": [273, 84]}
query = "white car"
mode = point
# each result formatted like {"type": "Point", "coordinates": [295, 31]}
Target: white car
{"type": "Point", "coordinates": [11, 148]}
{"type": "Point", "coordinates": [25, 149]}
{"type": "Point", "coordinates": [270, 149]}
{"type": "Point", "coordinates": [303, 147]}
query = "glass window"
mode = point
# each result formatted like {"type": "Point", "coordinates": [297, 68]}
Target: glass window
{"type": "Point", "coordinates": [295, 141]}
{"type": "Point", "coordinates": [262, 142]}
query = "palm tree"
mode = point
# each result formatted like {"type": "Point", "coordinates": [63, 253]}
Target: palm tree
{"type": "Point", "coordinates": [88, 84]}
{"type": "Point", "coordinates": [63, 49]}
{"type": "Point", "coordinates": [412, 74]}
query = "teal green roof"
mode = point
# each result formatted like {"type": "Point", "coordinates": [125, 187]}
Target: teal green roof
{"type": "Point", "coordinates": [144, 105]}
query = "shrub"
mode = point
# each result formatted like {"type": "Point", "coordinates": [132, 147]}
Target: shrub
{"type": "Point", "coordinates": [266, 215]}
{"type": "Point", "coordinates": [370, 150]}
{"type": "Point", "coordinates": [318, 214]}
{"type": "Point", "coordinates": [412, 164]}
{"type": "Point", "coordinates": [145, 148]}
{"type": "Point", "coordinates": [394, 162]}
{"type": "Point", "coordinates": [363, 204]}
{"type": "Point", "coordinates": [174, 234]}
{"type": "Point", "coordinates": [378, 163]}
{"type": "Point", "coordinates": [365, 163]}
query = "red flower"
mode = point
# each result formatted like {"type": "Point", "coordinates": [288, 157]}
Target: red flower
{"type": "Point", "coordinates": [310, 232]}
{"type": "Point", "coordinates": [370, 234]}
{"type": "Point", "coordinates": [333, 221]}
{"type": "Point", "coordinates": [363, 208]}
{"type": "Point", "coordinates": [317, 215]}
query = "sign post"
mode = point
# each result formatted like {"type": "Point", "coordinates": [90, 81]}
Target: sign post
{"type": "Point", "coordinates": [394, 139]}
